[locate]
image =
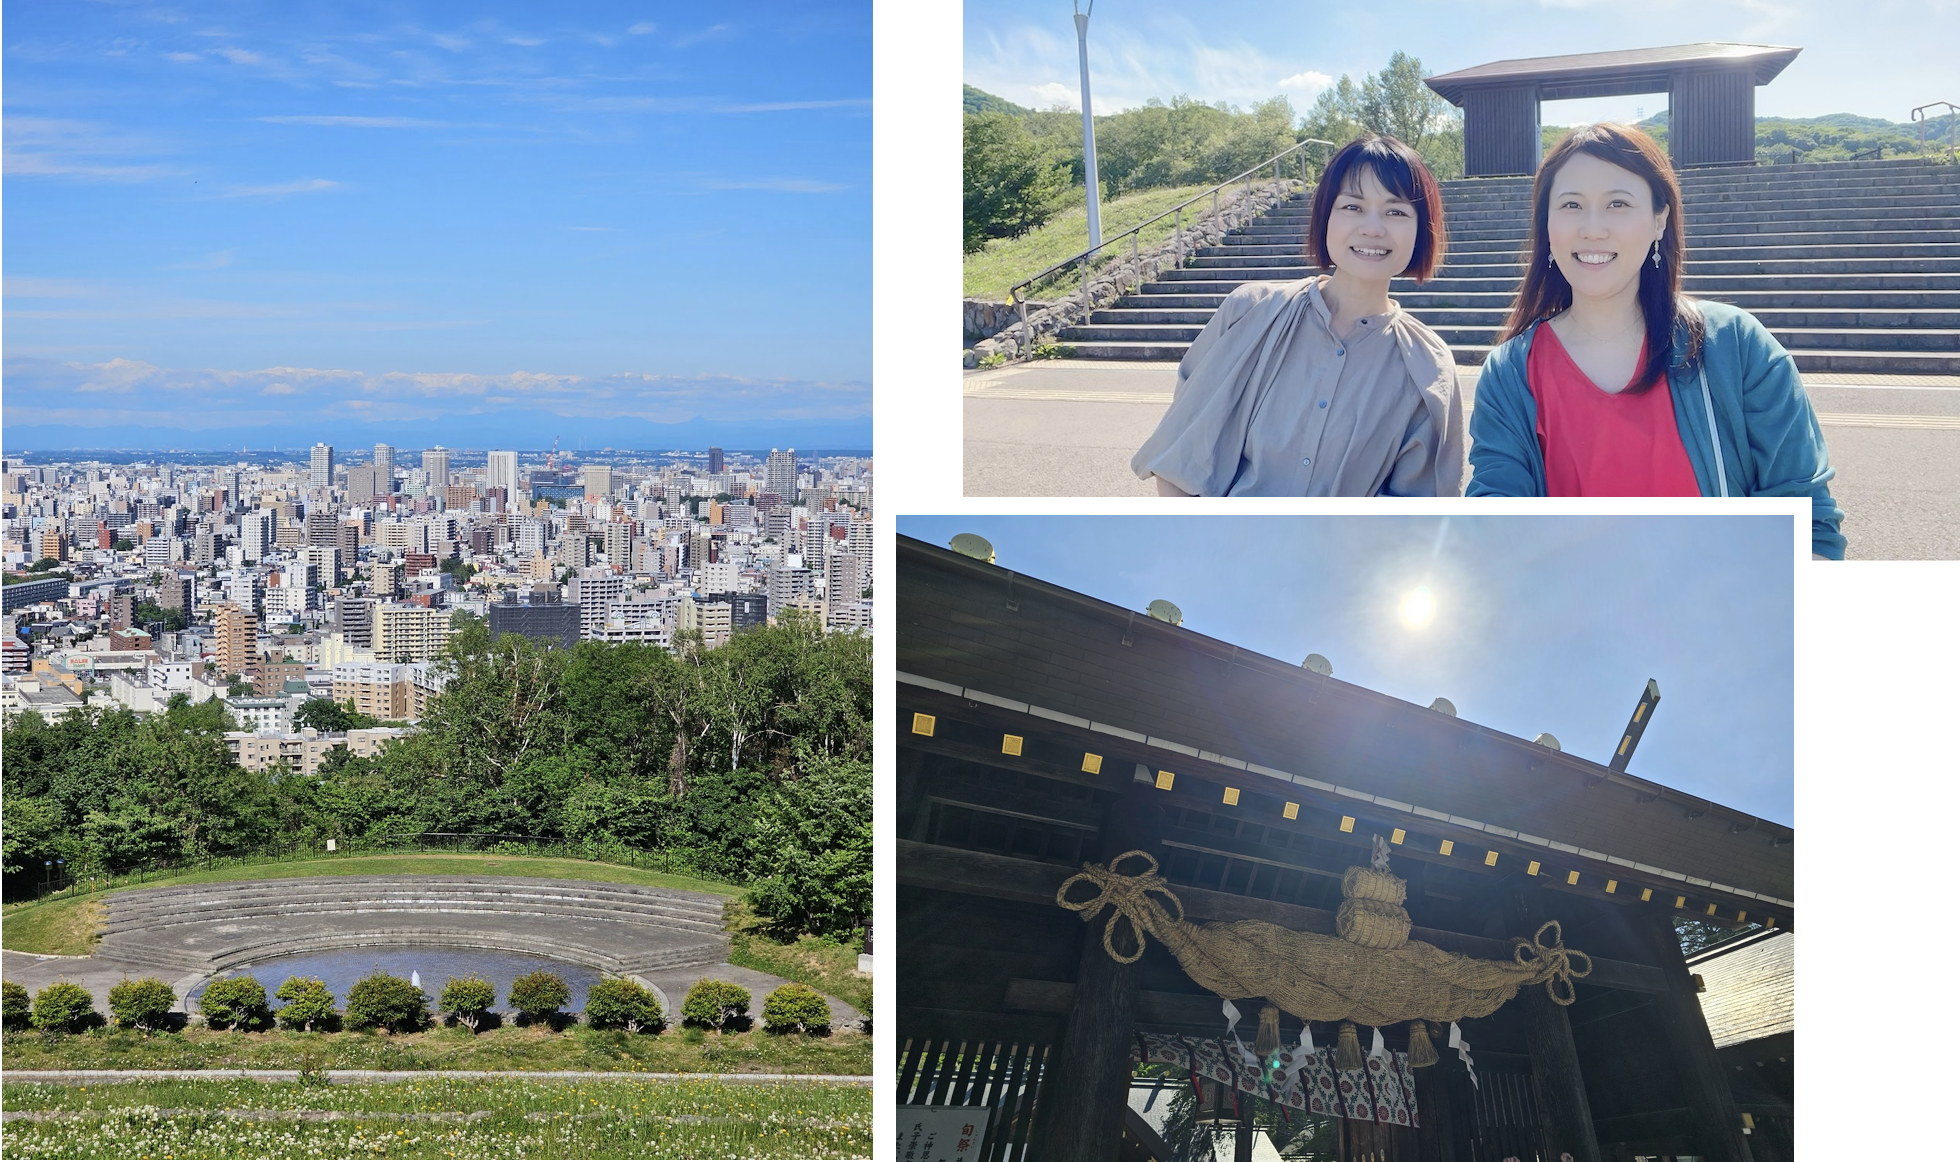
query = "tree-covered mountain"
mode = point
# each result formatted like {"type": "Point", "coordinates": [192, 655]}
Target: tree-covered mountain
{"type": "Point", "coordinates": [981, 101]}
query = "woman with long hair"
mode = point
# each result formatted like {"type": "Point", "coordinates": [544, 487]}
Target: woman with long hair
{"type": "Point", "coordinates": [1324, 387]}
{"type": "Point", "coordinates": [1608, 381]}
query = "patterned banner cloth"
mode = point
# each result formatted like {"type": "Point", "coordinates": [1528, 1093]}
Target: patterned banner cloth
{"type": "Point", "coordinates": [1385, 1091]}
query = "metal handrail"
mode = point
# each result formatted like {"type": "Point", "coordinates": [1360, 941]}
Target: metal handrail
{"type": "Point", "coordinates": [1952, 119]}
{"type": "Point", "coordinates": [1014, 295]}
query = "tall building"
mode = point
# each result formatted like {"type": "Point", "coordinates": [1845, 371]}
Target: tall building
{"type": "Point", "coordinates": [713, 620]}
{"type": "Point", "coordinates": [409, 633]}
{"type": "Point", "coordinates": [594, 591]}
{"type": "Point", "coordinates": [322, 526]}
{"type": "Point", "coordinates": [320, 474]}
{"type": "Point", "coordinates": [543, 618]}
{"type": "Point", "coordinates": [598, 480]}
{"type": "Point", "coordinates": [384, 464]}
{"type": "Point", "coordinates": [237, 628]}
{"type": "Point", "coordinates": [502, 473]}
{"type": "Point", "coordinates": [619, 544]}
{"type": "Point", "coordinates": [353, 619]}
{"type": "Point", "coordinates": [779, 474]}
{"type": "Point", "coordinates": [176, 591]}
{"type": "Point", "coordinates": [714, 462]}
{"type": "Point", "coordinates": [258, 533]}
{"type": "Point", "coordinates": [435, 465]}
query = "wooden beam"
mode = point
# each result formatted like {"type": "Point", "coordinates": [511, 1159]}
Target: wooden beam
{"type": "Point", "coordinates": [951, 869]}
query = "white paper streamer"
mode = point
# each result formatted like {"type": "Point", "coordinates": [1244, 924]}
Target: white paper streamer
{"type": "Point", "coordinates": [1247, 1057]}
{"type": "Point", "coordinates": [1462, 1048]}
{"type": "Point", "coordinates": [1306, 1039]}
{"type": "Point", "coordinates": [1380, 1047]}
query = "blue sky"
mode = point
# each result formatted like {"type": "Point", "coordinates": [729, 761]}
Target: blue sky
{"type": "Point", "coordinates": [1541, 623]}
{"type": "Point", "coordinates": [249, 220]}
{"type": "Point", "coordinates": [1879, 59]}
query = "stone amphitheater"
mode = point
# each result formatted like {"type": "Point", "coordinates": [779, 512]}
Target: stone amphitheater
{"type": "Point", "coordinates": [186, 935]}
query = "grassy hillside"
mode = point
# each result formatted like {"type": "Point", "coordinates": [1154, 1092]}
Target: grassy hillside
{"type": "Point", "coordinates": [1006, 261]}
{"type": "Point", "coordinates": [981, 101]}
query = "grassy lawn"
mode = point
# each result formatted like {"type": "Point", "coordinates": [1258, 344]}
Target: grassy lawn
{"type": "Point", "coordinates": [824, 965]}
{"type": "Point", "coordinates": [1007, 261]}
{"type": "Point", "coordinates": [511, 1046]}
{"type": "Point", "coordinates": [502, 1118]}
{"type": "Point", "coordinates": [66, 925]}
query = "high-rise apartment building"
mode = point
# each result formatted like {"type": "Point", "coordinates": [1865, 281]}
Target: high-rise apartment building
{"type": "Point", "coordinates": [176, 591]}
{"type": "Point", "coordinates": [435, 465]}
{"type": "Point", "coordinates": [713, 620]}
{"type": "Point", "coordinates": [258, 533]}
{"type": "Point", "coordinates": [779, 474]}
{"type": "Point", "coordinates": [409, 633]}
{"type": "Point", "coordinates": [502, 473]}
{"type": "Point", "coordinates": [715, 462]}
{"type": "Point", "coordinates": [594, 591]}
{"type": "Point", "coordinates": [384, 463]}
{"type": "Point", "coordinates": [598, 480]}
{"type": "Point", "coordinates": [237, 638]}
{"type": "Point", "coordinates": [619, 544]}
{"type": "Point", "coordinates": [320, 467]}
{"type": "Point", "coordinates": [322, 526]}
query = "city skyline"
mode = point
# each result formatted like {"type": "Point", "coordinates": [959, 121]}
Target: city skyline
{"type": "Point", "coordinates": [365, 224]}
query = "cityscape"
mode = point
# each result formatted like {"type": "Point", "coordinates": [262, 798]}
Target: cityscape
{"type": "Point", "coordinates": [271, 582]}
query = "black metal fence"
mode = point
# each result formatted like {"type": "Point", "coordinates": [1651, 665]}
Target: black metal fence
{"type": "Point", "coordinates": [1003, 1078]}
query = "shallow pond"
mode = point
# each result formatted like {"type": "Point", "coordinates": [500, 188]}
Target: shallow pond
{"type": "Point", "coordinates": [435, 965]}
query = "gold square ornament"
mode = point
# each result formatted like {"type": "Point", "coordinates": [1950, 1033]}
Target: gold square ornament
{"type": "Point", "coordinates": [924, 724]}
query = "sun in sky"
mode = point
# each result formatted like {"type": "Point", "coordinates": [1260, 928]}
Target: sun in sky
{"type": "Point", "coordinates": [1418, 607]}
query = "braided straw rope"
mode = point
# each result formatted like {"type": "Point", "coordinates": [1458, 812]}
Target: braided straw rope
{"type": "Point", "coordinates": [1316, 977]}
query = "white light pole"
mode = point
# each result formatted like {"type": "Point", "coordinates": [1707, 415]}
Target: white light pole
{"type": "Point", "coordinates": [1088, 128]}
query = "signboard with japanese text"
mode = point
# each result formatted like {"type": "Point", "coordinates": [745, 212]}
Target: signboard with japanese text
{"type": "Point", "coordinates": [941, 1133]}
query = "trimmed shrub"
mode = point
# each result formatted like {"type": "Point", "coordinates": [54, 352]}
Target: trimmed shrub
{"type": "Point", "coordinates": [796, 1006]}
{"type": "Point", "coordinates": [467, 998]}
{"type": "Point", "coordinates": [309, 1002]}
{"type": "Point", "coordinates": [17, 1012]}
{"type": "Point", "coordinates": [389, 1003]}
{"type": "Point", "coordinates": [63, 1007]}
{"type": "Point", "coordinates": [538, 995]}
{"type": "Point", "coordinates": [713, 1004]}
{"type": "Point", "coordinates": [618, 1003]}
{"type": "Point", "coordinates": [237, 1001]}
{"type": "Point", "coordinates": [141, 1004]}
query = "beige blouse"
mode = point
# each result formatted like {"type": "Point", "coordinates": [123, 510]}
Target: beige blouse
{"type": "Point", "coordinates": [1270, 402]}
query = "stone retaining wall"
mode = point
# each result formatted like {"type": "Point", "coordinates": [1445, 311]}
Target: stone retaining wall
{"type": "Point", "coordinates": [1123, 274]}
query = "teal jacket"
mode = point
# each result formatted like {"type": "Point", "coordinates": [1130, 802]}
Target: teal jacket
{"type": "Point", "coordinates": [1769, 443]}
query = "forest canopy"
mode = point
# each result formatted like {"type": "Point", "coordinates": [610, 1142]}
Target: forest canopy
{"type": "Point", "coordinates": [749, 763]}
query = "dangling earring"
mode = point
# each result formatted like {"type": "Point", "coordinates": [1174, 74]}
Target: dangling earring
{"type": "Point", "coordinates": [1657, 254]}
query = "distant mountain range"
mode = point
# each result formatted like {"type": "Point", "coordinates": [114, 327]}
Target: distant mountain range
{"type": "Point", "coordinates": [981, 101]}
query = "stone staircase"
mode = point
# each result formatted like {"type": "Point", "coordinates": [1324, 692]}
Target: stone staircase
{"type": "Point", "coordinates": [617, 927]}
{"type": "Point", "coordinates": [1855, 266]}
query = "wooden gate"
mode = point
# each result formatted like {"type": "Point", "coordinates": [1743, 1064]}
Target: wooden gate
{"type": "Point", "coordinates": [1005, 1078]}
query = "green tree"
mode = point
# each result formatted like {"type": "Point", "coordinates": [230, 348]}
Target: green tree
{"type": "Point", "coordinates": [467, 999]}
{"type": "Point", "coordinates": [389, 1003]}
{"type": "Point", "coordinates": [812, 851]}
{"type": "Point", "coordinates": [712, 1004]}
{"type": "Point", "coordinates": [1013, 181]}
{"type": "Point", "coordinates": [141, 1004]}
{"type": "Point", "coordinates": [16, 1008]}
{"type": "Point", "coordinates": [794, 1008]}
{"type": "Point", "coordinates": [308, 1003]}
{"type": "Point", "coordinates": [64, 1007]}
{"type": "Point", "coordinates": [617, 1003]}
{"type": "Point", "coordinates": [537, 996]}
{"type": "Point", "coordinates": [237, 1002]}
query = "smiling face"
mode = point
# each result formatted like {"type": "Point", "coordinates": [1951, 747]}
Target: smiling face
{"type": "Point", "coordinates": [1371, 233]}
{"type": "Point", "coordinates": [1602, 224]}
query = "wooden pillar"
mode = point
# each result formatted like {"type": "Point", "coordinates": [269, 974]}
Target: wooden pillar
{"type": "Point", "coordinates": [1242, 1147]}
{"type": "Point", "coordinates": [1711, 1105]}
{"type": "Point", "coordinates": [1436, 1137]}
{"type": "Point", "coordinates": [1087, 1087]}
{"type": "Point", "coordinates": [1563, 1109]}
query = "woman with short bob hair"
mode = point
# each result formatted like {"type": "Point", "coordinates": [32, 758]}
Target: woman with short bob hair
{"type": "Point", "coordinates": [1608, 381]}
{"type": "Point", "coordinates": [1324, 387]}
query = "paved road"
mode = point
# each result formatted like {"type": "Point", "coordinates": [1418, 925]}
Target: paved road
{"type": "Point", "coordinates": [1068, 428]}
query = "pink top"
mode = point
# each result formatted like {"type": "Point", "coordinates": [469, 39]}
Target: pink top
{"type": "Point", "coordinates": [1601, 444]}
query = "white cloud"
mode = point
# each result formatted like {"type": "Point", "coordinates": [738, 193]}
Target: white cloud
{"type": "Point", "coordinates": [304, 186]}
{"type": "Point", "coordinates": [524, 41]}
{"type": "Point", "coordinates": [779, 185]}
{"type": "Point", "coordinates": [365, 122]}
{"type": "Point", "coordinates": [789, 106]}
{"type": "Point", "coordinates": [1054, 93]}
{"type": "Point", "coordinates": [1309, 81]}
{"type": "Point", "coordinates": [182, 57]}
{"type": "Point", "coordinates": [239, 56]}
{"type": "Point", "coordinates": [642, 28]}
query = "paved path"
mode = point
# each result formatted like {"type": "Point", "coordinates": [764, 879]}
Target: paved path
{"type": "Point", "coordinates": [1068, 428]}
{"type": "Point", "coordinates": [348, 1076]}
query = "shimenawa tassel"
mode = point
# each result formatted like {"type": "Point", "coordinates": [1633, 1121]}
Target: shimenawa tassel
{"type": "Point", "coordinates": [1347, 1050]}
{"type": "Point", "coordinates": [1267, 1042]}
{"type": "Point", "coordinates": [1421, 1052]}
